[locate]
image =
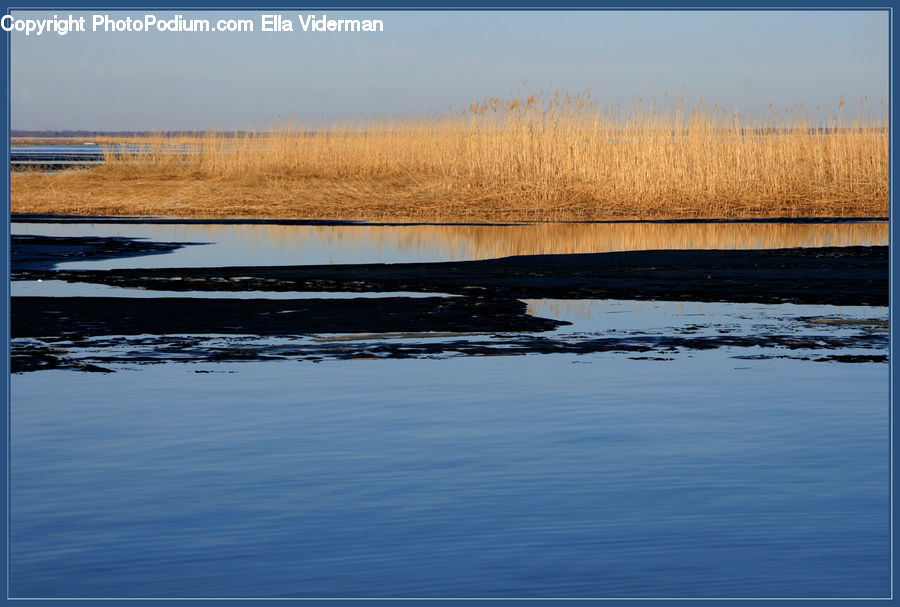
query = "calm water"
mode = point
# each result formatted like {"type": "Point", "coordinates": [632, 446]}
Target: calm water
{"type": "Point", "coordinates": [598, 316]}
{"type": "Point", "coordinates": [548, 475]}
{"type": "Point", "coordinates": [242, 245]}
{"type": "Point", "coordinates": [61, 288]}
{"type": "Point", "coordinates": [63, 155]}
{"type": "Point", "coordinates": [703, 475]}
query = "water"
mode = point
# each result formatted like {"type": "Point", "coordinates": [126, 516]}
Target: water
{"type": "Point", "coordinates": [606, 316]}
{"type": "Point", "coordinates": [60, 288]}
{"type": "Point", "coordinates": [243, 245]}
{"type": "Point", "coordinates": [526, 476]}
{"type": "Point", "coordinates": [640, 330]}
{"type": "Point", "coordinates": [700, 473]}
{"type": "Point", "coordinates": [57, 155]}
{"type": "Point", "coordinates": [65, 155]}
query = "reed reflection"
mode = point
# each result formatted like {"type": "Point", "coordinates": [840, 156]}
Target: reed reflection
{"type": "Point", "coordinates": [443, 242]}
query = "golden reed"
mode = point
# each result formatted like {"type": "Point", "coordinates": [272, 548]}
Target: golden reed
{"type": "Point", "coordinates": [516, 160]}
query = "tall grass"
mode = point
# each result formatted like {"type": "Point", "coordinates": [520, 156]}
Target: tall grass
{"type": "Point", "coordinates": [535, 157]}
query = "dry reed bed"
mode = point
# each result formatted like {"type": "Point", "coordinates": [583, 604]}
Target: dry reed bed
{"type": "Point", "coordinates": [523, 159]}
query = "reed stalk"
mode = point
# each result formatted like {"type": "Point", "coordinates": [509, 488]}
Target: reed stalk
{"type": "Point", "coordinates": [528, 158]}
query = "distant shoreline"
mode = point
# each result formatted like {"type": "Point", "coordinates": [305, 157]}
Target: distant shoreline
{"type": "Point", "coordinates": [121, 219]}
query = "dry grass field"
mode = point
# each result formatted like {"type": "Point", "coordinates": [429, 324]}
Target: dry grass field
{"type": "Point", "coordinates": [533, 158]}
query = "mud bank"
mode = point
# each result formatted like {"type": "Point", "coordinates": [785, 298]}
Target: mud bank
{"type": "Point", "coordinates": [487, 317]}
{"type": "Point", "coordinates": [44, 252]}
{"type": "Point", "coordinates": [93, 316]}
{"type": "Point", "coordinates": [868, 344]}
{"type": "Point", "coordinates": [832, 275]}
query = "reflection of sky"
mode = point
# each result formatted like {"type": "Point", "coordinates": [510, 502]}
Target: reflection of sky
{"type": "Point", "coordinates": [623, 318]}
{"type": "Point", "coordinates": [241, 245]}
{"type": "Point", "coordinates": [600, 315]}
{"type": "Point", "coordinates": [593, 475]}
{"type": "Point", "coordinates": [549, 475]}
{"type": "Point", "coordinates": [60, 288]}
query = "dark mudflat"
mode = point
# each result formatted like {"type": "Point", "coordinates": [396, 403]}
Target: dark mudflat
{"type": "Point", "coordinates": [44, 252]}
{"type": "Point", "coordinates": [93, 316]}
{"type": "Point", "coordinates": [160, 329]}
{"type": "Point", "coordinates": [832, 275]}
{"type": "Point", "coordinates": [98, 354]}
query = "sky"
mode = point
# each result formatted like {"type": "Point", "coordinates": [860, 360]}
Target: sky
{"type": "Point", "coordinates": [431, 60]}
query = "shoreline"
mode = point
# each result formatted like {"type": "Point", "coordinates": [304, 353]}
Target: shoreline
{"type": "Point", "coordinates": [286, 221]}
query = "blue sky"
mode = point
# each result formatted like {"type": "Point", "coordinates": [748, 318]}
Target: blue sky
{"type": "Point", "coordinates": [427, 61]}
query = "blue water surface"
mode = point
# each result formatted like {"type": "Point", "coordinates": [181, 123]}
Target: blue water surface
{"type": "Point", "coordinates": [529, 476]}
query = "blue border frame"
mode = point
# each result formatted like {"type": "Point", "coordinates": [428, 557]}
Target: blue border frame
{"type": "Point", "coordinates": [410, 5]}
